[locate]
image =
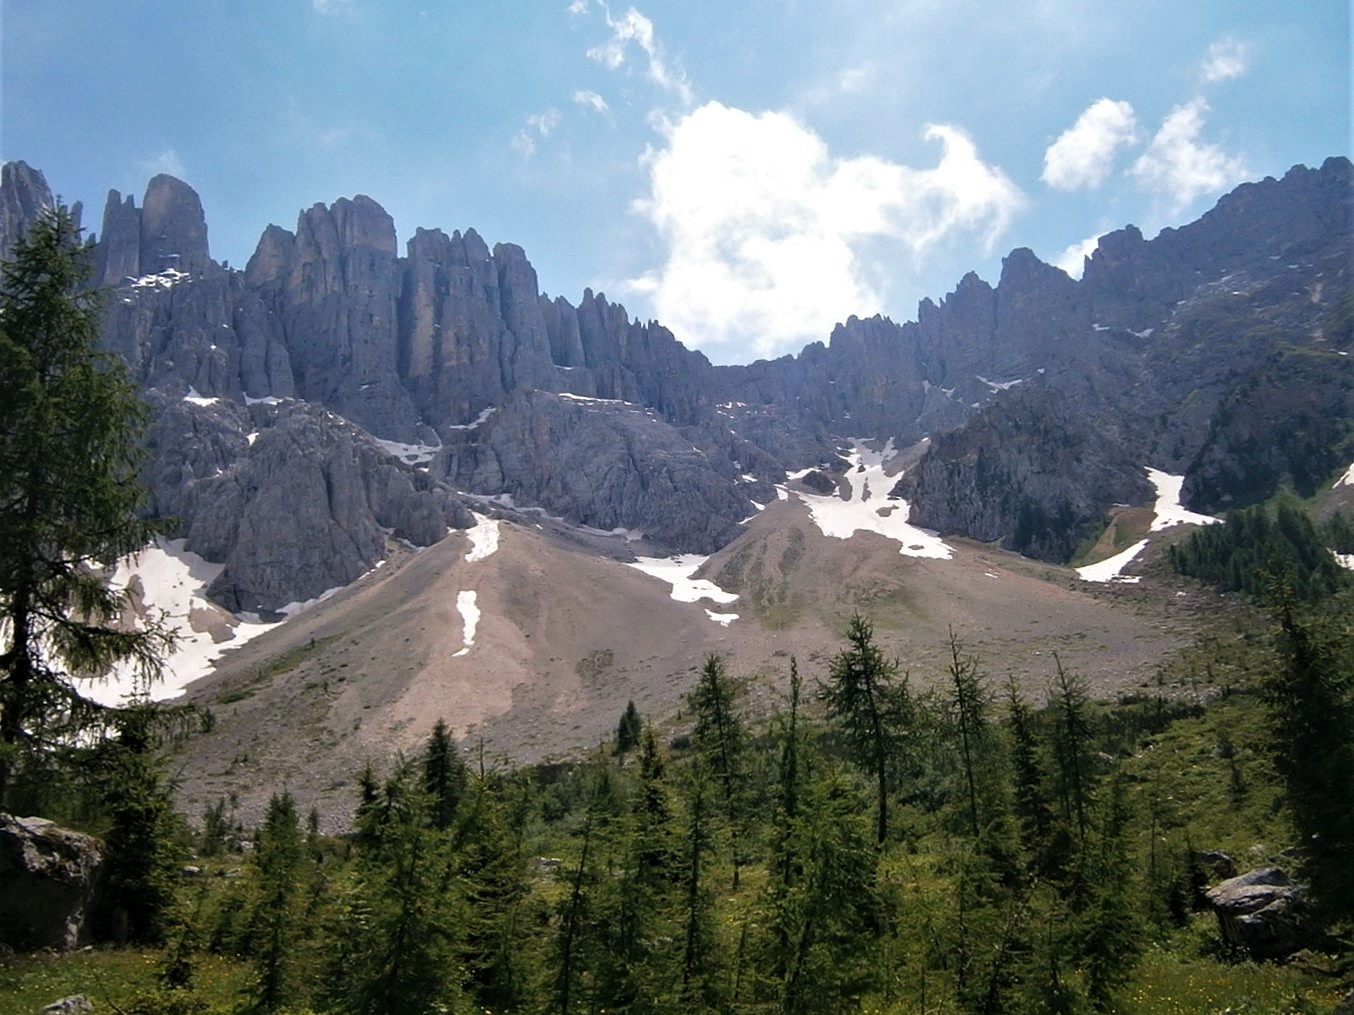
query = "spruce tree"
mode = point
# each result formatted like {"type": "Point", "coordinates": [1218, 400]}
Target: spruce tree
{"type": "Point", "coordinates": [275, 924]}
{"type": "Point", "coordinates": [444, 776]}
{"type": "Point", "coordinates": [69, 459]}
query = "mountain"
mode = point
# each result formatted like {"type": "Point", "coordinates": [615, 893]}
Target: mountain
{"type": "Point", "coordinates": [1135, 362]}
{"type": "Point", "coordinates": [335, 414]}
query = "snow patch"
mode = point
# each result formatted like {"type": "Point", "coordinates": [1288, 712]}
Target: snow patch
{"type": "Point", "coordinates": [469, 609]}
{"type": "Point", "coordinates": [173, 583]}
{"type": "Point", "coordinates": [1109, 570]}
{"type": "Point", "coordinates": [484, 414]}
{"type": "Point", "coordinates": [1345, 560]}
{"type": "Point", "coordinates": [160, 280]}
{"type": "Point", "coordinates": [483, 538]}
{"type": "Point", "coordinates": [677, 572]}
{"type": "Point", "coordinates": [1169, 510]}
{"type": "Point", "coordinates": [197, 399]}
{"type": "Point", "coordinates": [1347, 479]}
{"type": "Point", "coordinates": [265, 400]}
{"type": "Point", "coordinates": [413, 454]}
{"type": "Point", "coordinates": [722, 619]}
{"type": "Point", "coordinates": [869, 509]}
{"type": "Point", "coordinates": [999, 385]}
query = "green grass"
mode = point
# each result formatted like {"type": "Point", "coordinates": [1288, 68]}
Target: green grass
{"type": "Point", "coordinates": [113, 979]}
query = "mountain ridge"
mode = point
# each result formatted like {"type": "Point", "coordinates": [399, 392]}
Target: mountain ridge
{"type": "Point", "coordinates": [1138, 355]}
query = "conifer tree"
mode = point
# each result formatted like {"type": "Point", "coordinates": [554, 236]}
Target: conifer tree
{"type": "Point", "coordinates": [1310, 701]}
{"type": "Point", "coordinates": [872, 709]}
{"type": "Point", "coordinates": [69, 493]}
{"type": "Point", "coordinates": [278, 860]}
{"type": "Point", "coordinates": [444, 775]}
{"type": "Point", "coordinates": [721, 743]}
{"type": "Point", "coordinates": [628, 729]}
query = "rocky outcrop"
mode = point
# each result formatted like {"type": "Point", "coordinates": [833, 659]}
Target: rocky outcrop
{"type": "Point", "coordinates": [605, 464]}
{"type": "Point", "coordinates": [50, 879]}
{"type": "Point", "coordinates": [1028, 471]}
{"type": "Point", "coordinates": [293, 500]}
{"type": "Point", "coordinates": [1260, 911]}
{"type": "Point", "coordinates": [173, 228]}
{"type": "Point", "coordinates": [23, 195]}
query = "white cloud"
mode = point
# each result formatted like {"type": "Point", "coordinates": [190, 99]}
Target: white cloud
{"type": "Point", "coordinates": [632, 26]}
{"type": "Point", "coordinates": [592, 101]}
{"type": "Point", "coordinates": [544, 123]}
{"type": "Point", "coordinates": [766, 232]}
{"type": "Point", "coordinates": [1180, 165]}
{"type": "Point", "coordinates": [167, 161]}
{"type": "Point", "coordinates": [1083, 155]}
{"type": "Point", "coordinates": [330, 6]}
{"type": "Point", "coordinates": [578, 7]}
{"type": "Point", "coordinates": [539, 125]}
{"type": "Point", "coordinates": [1073, 258]}
{"type": "Point", "coordinates": [1227, 58]}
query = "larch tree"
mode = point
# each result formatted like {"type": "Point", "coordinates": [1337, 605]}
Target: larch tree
{"type": "Point", "coordinates": [871, 709]}
{"type": "Point", "coordinates": [69, 492]}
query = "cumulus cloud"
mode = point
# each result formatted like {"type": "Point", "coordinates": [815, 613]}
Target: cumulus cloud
{"type": "Point", "coordinates": [1179, 164]}
{"type": "Point", "coordinates": [1073, 258]}
{"type": "Point", "coordinates": [1227, 58]}
{"type": "Point", "coordinates": [1083, 155]}
{"type": "Point", "coordinates": [767, 233]}
{"type": "Point", "coordinates": [634, 27]}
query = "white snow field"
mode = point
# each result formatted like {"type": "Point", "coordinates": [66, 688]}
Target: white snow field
{"type": "Point", "coordinates": [483, 543]}
{"type": "Point", "coordinates": [174, 581]}
{"type": "Point", "coordinates": [677, 572]}
{"type": "Point", "coordinates": [870, 510]}
{"type": "Point", "coordinates": [1169, 511]}
{"type": "Point", "coordinates": [470, 619]}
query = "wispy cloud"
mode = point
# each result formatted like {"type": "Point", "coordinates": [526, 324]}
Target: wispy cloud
{"type": "Point", "coordinates": [538, 125]}
{"type": "Point", "coordinates": [768, 236]}
{"type": "Point", "coordinates": [166, 161]}
{"type": "Point", "coordinates": [1083, 155]}
{"type": "Point", "coordinates": [632, 27]}
{"type": "Point", "coordinates": [1182, 166]}
{"type": "Point", "coordinates": [591, 100]}
{"type": "Point", "coordinates": [578, 7]}
{"type": "Point", "coordinates": [331, 6]}
{"type": "Point", "coordinates": [1227, 58]}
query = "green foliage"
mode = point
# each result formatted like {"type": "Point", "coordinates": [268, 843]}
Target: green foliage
{"type": "Point", "coordinates": [141, 841]}
{"type": "Point", "coordinates": [872, 711]}
{"type": "Point", "coordinates": [1256, 548]}
{"type": "Point", "coordinates": [1310, 697]}
{"type": "Point", "coordinates": [444, 775]}
{"type": "Point", "coordinates": [628, 729]}
{"type": "Point", "coordinates": [721, 745]}
{"type": "Point", "coordinates": [69, 459]}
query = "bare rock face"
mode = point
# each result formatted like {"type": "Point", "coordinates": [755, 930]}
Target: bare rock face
{"type": "Point", "coordinates": [173, 228]}
{"type": "Point", "coordinates": [1260, 911]}
{"type": "Point", "coordinates": [606, 464]}
{"type": "Point", "coordinates": [23, 195]}
{"type": "Point", "coordinates": [117, 257]}
{"type": "Point", "coordinates": [50, 878]}
{"type": "Point", "coordinates": [1029, 472]}
{"type": "Point", "coordinates": [303, 507]}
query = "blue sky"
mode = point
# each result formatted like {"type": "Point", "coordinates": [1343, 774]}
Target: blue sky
{"type": "Point", "coordinates": [747, 174]}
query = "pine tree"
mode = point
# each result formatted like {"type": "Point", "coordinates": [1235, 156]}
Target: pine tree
{"type": "Point", "coordinates": [69, 460]}
{"type": "Point", "coordinates": [872, 709]}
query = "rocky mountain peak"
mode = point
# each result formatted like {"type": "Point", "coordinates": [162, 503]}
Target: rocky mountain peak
{"type": "Point", "coordinates": [173, 228]}
{"type": "Point", "coordinates": [23, 195]}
